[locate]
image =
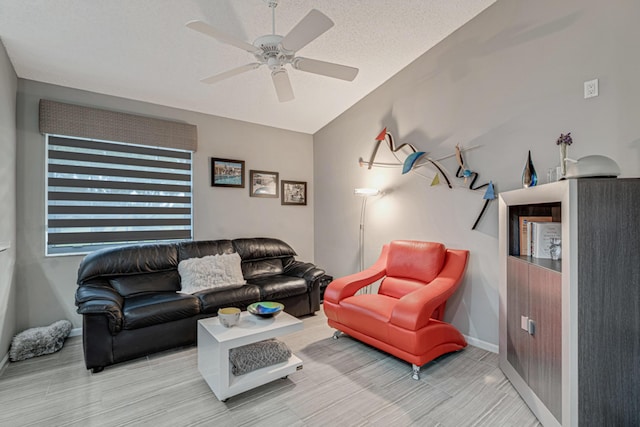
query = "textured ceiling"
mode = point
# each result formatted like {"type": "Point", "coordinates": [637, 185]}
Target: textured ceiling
{"type": "Point", "coordinates": [141, 49]}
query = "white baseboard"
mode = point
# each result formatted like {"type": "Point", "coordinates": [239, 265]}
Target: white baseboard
{"type": "Point", "coordinates": [4, 362]}
{"type": "Point", "coordinates": [493, 348]}
{"type": "Point", "coordinates": [75, 332]}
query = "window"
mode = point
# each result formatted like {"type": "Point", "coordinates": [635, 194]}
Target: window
{"type": "Point", "coordinates": [102, 193]}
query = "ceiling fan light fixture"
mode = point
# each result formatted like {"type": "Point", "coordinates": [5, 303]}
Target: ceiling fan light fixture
{"type": "Point", "coordinates": [274, 64]}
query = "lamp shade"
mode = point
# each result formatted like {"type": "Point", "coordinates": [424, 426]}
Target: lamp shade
{"type": "Point", "coordinates": [365, 192]}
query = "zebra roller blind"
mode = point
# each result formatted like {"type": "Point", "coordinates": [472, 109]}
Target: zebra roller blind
{"type": "Point", "coordinates": [103, 193]}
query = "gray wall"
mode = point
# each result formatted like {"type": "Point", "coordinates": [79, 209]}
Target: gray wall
{"type": "Point", "coordinates": [509, 81]}
{"type": "Point", "coordinates": [46, 285]}
{"type": "Point", "coordinates": [8, 88]}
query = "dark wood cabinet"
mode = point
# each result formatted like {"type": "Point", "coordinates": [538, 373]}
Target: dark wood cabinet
{"type": "Point", "coordinates": [570, 329]}
{"type": "Point", "coordinates": [518, 339]}
{"type": "Point", "coordinates": [534, 329]}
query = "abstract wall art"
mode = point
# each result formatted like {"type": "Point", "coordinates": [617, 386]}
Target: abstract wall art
{"type": "Point", "coordinates": [417, 160]}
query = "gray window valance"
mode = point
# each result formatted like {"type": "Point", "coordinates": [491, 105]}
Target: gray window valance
{"type": "Point", "coordinates": [57, 118]}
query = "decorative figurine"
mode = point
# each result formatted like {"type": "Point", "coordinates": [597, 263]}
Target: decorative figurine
{"type": "Point", "coordinates": [564, 141]}
{"type": "Point", "coordinates": [529, 176]}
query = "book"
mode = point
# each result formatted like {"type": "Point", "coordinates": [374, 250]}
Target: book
{"type": "Point", "coordinates": [525, 240]}
{"type": "Point", "coordinates": [541, 235]}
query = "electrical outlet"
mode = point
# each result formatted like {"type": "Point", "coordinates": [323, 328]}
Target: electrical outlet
{"type": "Point", "coordinates": [591, 88]}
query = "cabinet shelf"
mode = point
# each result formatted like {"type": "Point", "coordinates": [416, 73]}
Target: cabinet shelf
{"type": "Point", "coordinates": [549, 264]}
{"type": "Point", "coordinates": [551, 210]}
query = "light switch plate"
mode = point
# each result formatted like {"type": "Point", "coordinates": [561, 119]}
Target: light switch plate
{"type": "Point", "coordinates": [524, 323]}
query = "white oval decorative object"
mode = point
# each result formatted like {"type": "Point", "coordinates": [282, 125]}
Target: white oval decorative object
{"type": "Point", "coordinates": [592, 166]}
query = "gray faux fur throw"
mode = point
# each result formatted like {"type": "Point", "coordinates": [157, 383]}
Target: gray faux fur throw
{"type": "Point", "coordinates": [38, 341]}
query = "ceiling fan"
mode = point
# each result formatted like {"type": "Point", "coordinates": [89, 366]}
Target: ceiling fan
{"type": "Point", "coordinates": [276, 51]}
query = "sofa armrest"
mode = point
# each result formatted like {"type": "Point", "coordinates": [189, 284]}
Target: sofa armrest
{"type": "Point", "coordinates": [305, 270]}
{"type": "Point", "coordinates": [347, 286]}
{"type": "Point", "coordinates": [101, 300]}
{"type": "Point", "coordinates": [97, 290]}
{"type": "Point", "coordinates": [413, 311]}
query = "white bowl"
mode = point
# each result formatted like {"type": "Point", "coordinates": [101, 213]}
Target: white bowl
{"type": "Point", "coordinates": [229, 316]}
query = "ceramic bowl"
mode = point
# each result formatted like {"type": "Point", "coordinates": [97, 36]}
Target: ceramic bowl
{"type": "Point", "coordinates": [229, 316]}
{"type": "Point", "coordinates": [265, 308]}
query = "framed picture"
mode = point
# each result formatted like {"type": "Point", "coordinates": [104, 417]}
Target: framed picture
{"type": "Point", "coordinates": [227, 173]}
{"type": "Point", "coordinates": [294, 193]}
{"type": "Point", "coordinates": [263, 184]}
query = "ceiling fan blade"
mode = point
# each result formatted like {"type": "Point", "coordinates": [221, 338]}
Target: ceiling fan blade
{"type": "Point", "coordinates": [204, 28]}
{"type": "Point", "coordinates": [234, 71]}
{"type": "Point", "coordinates": [307, 30]}
{"type": "Point", "coordinates": [323, 68]}
{"type": "Point", "coordinates": [282, 84]}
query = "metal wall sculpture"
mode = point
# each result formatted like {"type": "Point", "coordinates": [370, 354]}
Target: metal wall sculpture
{"type": "Point", "coordinates": [417, 159]}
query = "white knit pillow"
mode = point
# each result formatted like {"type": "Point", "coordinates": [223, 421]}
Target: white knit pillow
{"type": "Point", "coordinates": [212, 272]}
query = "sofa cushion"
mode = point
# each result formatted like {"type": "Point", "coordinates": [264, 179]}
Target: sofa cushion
{"type": "Point", "coordinates": [211, 301]}
{"type": "Point", "coordinates": [128, 260]}
{"type": "Point", "coordinates": [164, 281]}
{"type": "Point", "coordinates": [151, 309]}
{"type": "Point", "coordinates": [212, 272]}
{"type": "Point", "coordinates": [262, 248]}
{"type": "Point", "coordinates": [199, 249]}
{"type": "Point", "coordinates": [398, 287]}
{"type": "Point", "coordinates": [370, 312]}
{"type": "Point", "coordinates": [278, 286]}
{"type": "Point", "coordinates": [262, 268]}
{"type": "Point", "coordinates": [415, 260]}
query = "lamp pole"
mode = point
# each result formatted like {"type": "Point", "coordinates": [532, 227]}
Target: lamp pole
{"type": "Point", "coordinates": [362, 212]}
{"type": "Point", "coordinates": [365, 193]}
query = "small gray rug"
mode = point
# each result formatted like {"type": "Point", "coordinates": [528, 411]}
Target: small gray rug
{"type": "Point", "coordinates": [38, 341]}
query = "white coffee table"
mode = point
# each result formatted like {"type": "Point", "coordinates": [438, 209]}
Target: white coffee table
{"type": "Point", "coordinates": [215, 341]}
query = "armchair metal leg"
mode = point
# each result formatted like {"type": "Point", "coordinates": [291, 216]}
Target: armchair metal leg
{"type": "Point", "coordinates": [416, 372]}
{"type": "Point", "coordinates": [336, 335]}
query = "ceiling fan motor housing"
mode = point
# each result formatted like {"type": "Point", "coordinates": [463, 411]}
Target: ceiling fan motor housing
{"type": "Point", "coordinates": [271, 52]}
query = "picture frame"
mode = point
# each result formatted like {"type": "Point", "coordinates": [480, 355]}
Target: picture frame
{"type": "Point", "coordinates": [227, 173]}
{"type": "Point", "coordinates": [264, 184]}
{"type": "Point", "coordinates": [294, 193]}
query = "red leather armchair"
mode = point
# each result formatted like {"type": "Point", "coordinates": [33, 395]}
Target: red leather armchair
{"type": "Point", "coordinates": [405, 317]}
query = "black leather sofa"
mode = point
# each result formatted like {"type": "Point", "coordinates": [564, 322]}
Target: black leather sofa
{"type": "Point", "coordinates": [130, 305]}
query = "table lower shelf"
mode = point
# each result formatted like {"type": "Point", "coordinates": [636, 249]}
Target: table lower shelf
{"type": "Point", "coordinates": [253, 379]}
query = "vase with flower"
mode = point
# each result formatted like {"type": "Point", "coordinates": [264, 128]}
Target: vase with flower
{"type": "Point", "coordinates": [564, 141]}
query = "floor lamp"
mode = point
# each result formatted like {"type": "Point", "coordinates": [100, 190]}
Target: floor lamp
{"type": "Point", "coordinates": [365, 193]}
